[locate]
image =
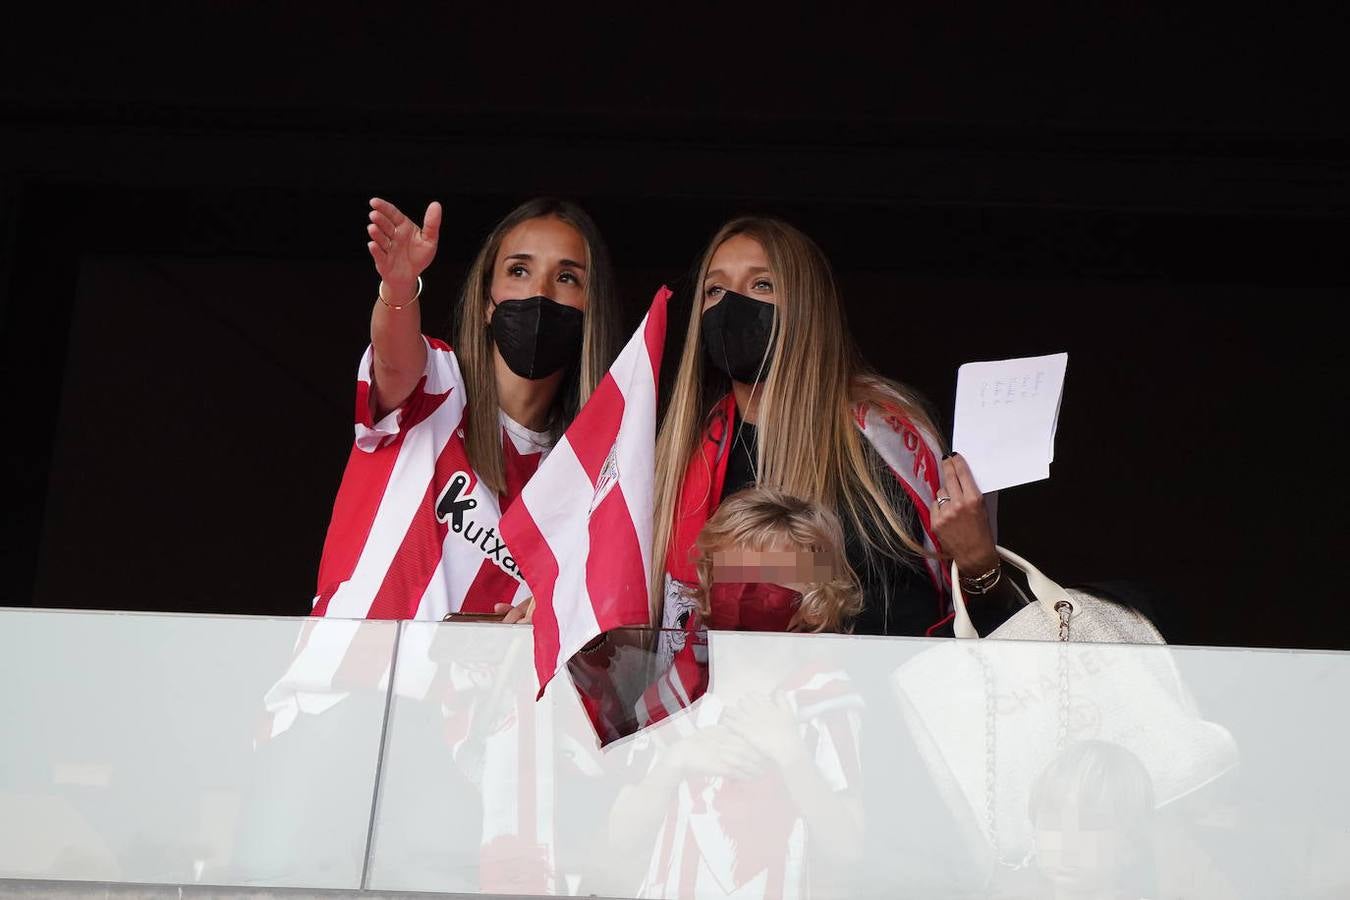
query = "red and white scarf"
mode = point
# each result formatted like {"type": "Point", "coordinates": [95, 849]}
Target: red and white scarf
{"type": "Point", "coordinates": [905, 447]}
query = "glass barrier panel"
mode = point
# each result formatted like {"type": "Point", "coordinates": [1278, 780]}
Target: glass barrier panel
{"type": "Point", "coordinates": [189, 749]}
{"type": "Point", "coordinates": [839, 766]}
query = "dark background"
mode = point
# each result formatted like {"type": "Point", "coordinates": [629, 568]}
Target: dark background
{"type": "Point", "coordinates": [1161, 193]}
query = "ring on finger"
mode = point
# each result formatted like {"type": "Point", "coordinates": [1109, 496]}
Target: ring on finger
{"type": "Point", "coordinates": [942, 500]}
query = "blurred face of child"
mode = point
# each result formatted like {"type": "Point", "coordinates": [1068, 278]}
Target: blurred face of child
{"type": "Point", "coordinates": [786, 566]}
{"type": "Point", "coordinates": [1079, 856]}
{"type": "Point", "coordinates": [759, 590]}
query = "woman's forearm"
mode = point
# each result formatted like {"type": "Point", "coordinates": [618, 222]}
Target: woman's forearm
{"type": "Point", "coordinates": [398, 349]}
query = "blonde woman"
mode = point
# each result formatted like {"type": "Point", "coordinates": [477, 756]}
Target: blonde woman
{"type": "Point", "coordinates": [771, 392]}
{"type": "Point", "coordinates": [446, 439]}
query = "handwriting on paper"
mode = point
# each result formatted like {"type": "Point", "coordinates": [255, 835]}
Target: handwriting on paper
{"type": "Point", "coordinates": [1007, 412]}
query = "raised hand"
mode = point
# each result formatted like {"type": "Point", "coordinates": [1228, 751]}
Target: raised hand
{"type": "Point", "coordinates": [401, 249]}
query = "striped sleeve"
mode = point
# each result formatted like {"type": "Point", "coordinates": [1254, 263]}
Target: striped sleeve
{"type": "Point", "coordinates": [440, 373]}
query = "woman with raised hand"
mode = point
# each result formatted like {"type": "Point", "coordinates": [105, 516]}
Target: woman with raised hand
{"type": "Point", "coordinates": [446, 438]}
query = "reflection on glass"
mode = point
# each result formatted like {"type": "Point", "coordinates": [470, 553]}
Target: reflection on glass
{"type": "Point", "coordinates": [138, 749]}
{"type": "Point", "coordinates": [756, 791]}
{"type": "Point", "coordinates": [635, 677]}
{"type": "Point", "coordinates": [331, 659]}
{"type": "Point", "coordinates": [1053, 757]}
{"type": "Point", "coordinates": [755, 787]}
{"type": "Point", "coordinates": [317, 715]}
{"type": "Point", "coordinates": [484, 788]}
{"type": "Point", "coordinates": [1092, 815]}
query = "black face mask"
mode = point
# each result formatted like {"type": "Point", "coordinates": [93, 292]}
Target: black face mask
{"type": "Point", "coordinates": [738, 337]}
{"type": "Point", "coordinates": [537, 336]}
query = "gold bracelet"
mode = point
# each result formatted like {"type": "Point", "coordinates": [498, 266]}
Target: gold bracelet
{"type": "Point", "coordinates": [379, 295]}
{"type": "Point", "coordinates": [982, 584]}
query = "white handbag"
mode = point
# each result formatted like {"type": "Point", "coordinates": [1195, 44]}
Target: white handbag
{"type": "Point", "coordinates": [988, 716]}
{"type": "Point", "coordinates": [1057, 614]}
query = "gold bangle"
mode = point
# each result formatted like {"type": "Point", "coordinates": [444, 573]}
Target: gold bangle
{"type": "Point", "coordinates": [982, 584]}
{"type": "Point", "coordinates": [379, 295]}
{"type": "Point", "coordinates": [986, 576]}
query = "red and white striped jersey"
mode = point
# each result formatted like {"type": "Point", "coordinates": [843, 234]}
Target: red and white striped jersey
{"type": "Point", "coordinates": [414, 533]}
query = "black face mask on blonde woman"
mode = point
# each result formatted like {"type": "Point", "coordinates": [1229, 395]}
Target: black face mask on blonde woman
{"type": "Point", "coordinates": [738, 337]}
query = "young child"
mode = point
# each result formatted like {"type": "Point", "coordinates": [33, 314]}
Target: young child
{"type": "Point", "coordinates": [1093, 812]}
{"type": "Point", "coordinates": [768, 561]}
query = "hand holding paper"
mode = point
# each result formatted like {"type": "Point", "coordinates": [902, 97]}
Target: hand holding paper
{"type": "Point", "coordinates": [1006, 415]}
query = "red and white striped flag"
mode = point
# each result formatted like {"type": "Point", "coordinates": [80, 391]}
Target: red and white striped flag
{"type": "Point", "coordinates": [581, 529]}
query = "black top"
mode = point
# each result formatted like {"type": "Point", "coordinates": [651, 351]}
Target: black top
{"type": "Point", "coordinates": [898, 596]}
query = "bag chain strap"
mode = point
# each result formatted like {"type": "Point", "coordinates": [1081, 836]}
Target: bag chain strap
{"type": "Point", "coordinates": [1064, 609]}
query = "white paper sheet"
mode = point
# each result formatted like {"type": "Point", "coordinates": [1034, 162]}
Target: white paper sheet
{"type": "Point", "coordinates": [1006, 415]}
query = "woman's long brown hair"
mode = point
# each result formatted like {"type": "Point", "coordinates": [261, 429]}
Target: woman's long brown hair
{"type": "Point", "coordinates": [473, 344]}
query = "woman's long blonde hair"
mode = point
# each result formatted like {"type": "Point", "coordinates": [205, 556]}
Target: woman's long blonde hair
{"type": "Point", "coordinates": [761, 519]}
{"type": "Point", "coordinates": [473, 344]}
{"type": "Point", "coordinates": [809, 445]}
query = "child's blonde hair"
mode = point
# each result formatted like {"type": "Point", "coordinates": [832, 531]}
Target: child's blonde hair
{"type": "Point", "coordinates": [763, 519]}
